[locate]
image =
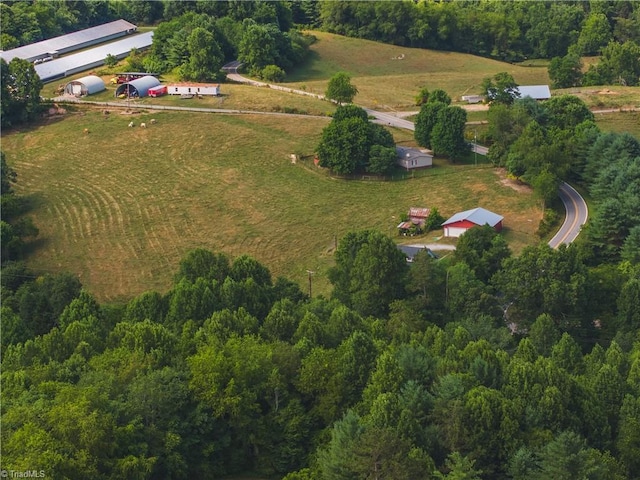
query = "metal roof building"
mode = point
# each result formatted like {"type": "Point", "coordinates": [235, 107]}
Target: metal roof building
{"type": "Point", "coordinates": [463, 221]}
{"type": "Point", "coordinates": [410, 158]}
{"type": "Point", "coordinates": [84, 86]}
{"type": "Point", "coordinates": [537, 92]}
{"type": "Point", "coordinates": [70, 42]}
{"type": "Point", "coordinates": [410, 251]}
{"type": "Point", "coordinates": [138, 87]}
{"type": "Point", "coordinates": [94, 57]}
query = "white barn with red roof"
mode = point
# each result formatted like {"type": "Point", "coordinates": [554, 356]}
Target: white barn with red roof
{"type": "Point", "coordinates": [477, 217]}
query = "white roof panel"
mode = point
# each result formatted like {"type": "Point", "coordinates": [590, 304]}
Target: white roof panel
{"type": "Point", "coordinates": [92, 83]}
{"type": "Point", "coordinates": [68, 41]}
{"type": "Point", "coordinates": [479, 216]}
{"type": "Point", "coordinates": [91, 58]}
{"type": "Point", "coordinates": [537, 92]}
{"type": "Point", "coordinates": [141, 85]}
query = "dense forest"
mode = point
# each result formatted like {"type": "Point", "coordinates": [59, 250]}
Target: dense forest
{"type": "Point", "coordinates": [480, 365]}
{"type": "Point", "coordinates": [484, 365]}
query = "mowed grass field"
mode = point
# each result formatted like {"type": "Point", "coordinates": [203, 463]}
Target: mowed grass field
{"type": "Point", "coordinates": [121, 206]}
{"type": "Point", "coordinates": [621, 122]}
{"type": "Point", "coordinates": [389, 77]}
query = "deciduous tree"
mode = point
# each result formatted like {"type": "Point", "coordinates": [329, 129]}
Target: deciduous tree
{"type": "Point", "coordinates": [205, 57]}
{"type": "Point", "coordinates": [501, 88]}
{"type": "Point", "coordinates": [369, 273]}
{"type": "Point", "coordinates": [340, 89]}
{"type": "Point", "coordinates": [447, 136]}
{"type": "Point", "coordinates": [426, 121]}
{"type": "Point", "coordinates": [566, 71]}
{"type": "Point", "coordinates": [21, 88]}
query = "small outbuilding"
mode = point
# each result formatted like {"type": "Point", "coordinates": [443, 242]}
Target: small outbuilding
{"type": "Point", "coordinates": [477, 217]}
{"type": "Point", "coordinates": [158, 91]}
{"type": "Point", "coordinates": [537, 92]}
{"type": "Point", "coordinates": [472, 98]}
{"type": "Point", "coordinates": [412, 158]}
{"type": "Point", "coordinates": [194, 89]}
{"type": "Point", "coordinates": [417, 219]}
{"type": "Point", "coordinates": [84, 86]}
{"type": "Point", "coordinates": [410, 251]}
{"type": "Point", "coordinates": [138, 87]}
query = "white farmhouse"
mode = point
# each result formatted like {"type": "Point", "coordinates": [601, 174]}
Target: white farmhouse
{"type": "Point", "coordinates": [411, 158]}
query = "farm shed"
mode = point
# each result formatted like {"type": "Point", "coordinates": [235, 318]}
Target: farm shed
{"type": "Point", "coordinates": [463, 221]}
{"type": "Point", "coordinates": [410, 251]}
{"type": "Point", "coordinates": [138, 87]}
{"type": "Point", "coordinates": [417, 218]}
{"type": "Point", "coordinates": [193, 89]}
{"type": "Point", "coordinates": [410, 158]}
{"type": "Point", "coordinates": [472, 98]}
{"type": "Point", "coordinates": [84, 86]}
{"type": "Point", "coordinates": [537, 92]}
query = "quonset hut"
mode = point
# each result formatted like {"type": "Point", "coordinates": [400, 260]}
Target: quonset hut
{"type": "Point", "coordinates": [84, 86]}
{"type": "Point", "coordinates": [138, 87]}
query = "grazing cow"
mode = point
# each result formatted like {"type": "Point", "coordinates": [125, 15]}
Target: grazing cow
{"type": "Point", "coordinates": [143, 125]}
{"type": "Point", "coordinates": [86, 130]}
{"type": "Point", "coordinates": [130, 124]}
{"type": "Point", "coordinates": [153, 120]}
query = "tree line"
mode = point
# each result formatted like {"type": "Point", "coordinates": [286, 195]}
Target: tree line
{"type": "Point", "coordinates": [511, 31]}
{"type": "Point", "coordinates": [562, 31]}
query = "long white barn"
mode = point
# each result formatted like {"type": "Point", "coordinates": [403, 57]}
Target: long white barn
{"type": "Point", "coordinates": [70, 42]}
{"type": "Point", "coordinates": [94, 57]}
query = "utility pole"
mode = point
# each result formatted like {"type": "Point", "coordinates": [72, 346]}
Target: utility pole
{"type": "Point", "coordinates": [475, 146]}
{"type": "Point", "coordinates": [128, 93]}
{"type": "Point", "coordinates": [310, 272]}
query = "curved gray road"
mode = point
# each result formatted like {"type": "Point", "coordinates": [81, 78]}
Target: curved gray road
{"type": "Point", "coordinates": [575, 218]}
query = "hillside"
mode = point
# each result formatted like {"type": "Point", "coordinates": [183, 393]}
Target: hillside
{"type": "Point", "coordinates": [389, 77]}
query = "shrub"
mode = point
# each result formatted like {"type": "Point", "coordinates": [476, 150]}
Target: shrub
{"type": "Point", "coordinates": [434, 220]}
{"type": "Point", "coordinates": [549, 219]}
{"type": "Point", "coordinates": [272, 73]}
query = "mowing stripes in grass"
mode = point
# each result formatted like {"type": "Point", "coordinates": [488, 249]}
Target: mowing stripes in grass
{"type": "Point", "coordinates": [124, 208]}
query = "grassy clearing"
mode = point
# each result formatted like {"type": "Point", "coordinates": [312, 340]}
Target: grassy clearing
{"type": "Point", "coordinates": [605, 97]}
{"type": "Point", "coordinates": [620, 122]}
{"type": "Point", "coordinates": [387, 82]}
{"type": "Point", "coordinates": [121, 206]}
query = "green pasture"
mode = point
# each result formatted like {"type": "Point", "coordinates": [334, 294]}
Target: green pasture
{"type": "Point", "coordinates": [603, 97]}
{"type": "Point", "coordinates": [389, 77]}
{"type": "Point", "coordinates": [121, 206]}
